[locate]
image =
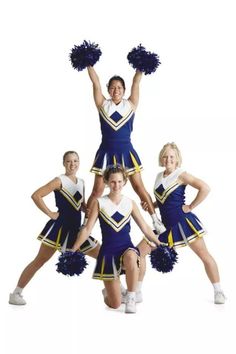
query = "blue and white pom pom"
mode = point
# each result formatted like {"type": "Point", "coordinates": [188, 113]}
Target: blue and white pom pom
{"type": "Point", "coordinates": [143, 60]}
{"type": "Point", "coordinates": [71, 263]}
{"type": "Point", "coordinates": [163, 259]}
{"type": "Point", "coordinates": [86, 54]}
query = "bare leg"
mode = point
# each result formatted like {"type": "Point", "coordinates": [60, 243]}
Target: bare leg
{"type": "Point", "coordinates": [199, 247]}
{"type": "Point", "coordinates": [131, 270]}
{"type": "Point", "coordinates": [138, 186]}
{"type": "Point", "coordinates": [44, 254]}
{"type": "Point", "coordinates": [144, 249]}
{"type": "Point", "coordinates": [97, 191]}
{"type": "Point", "coordinates": [94, 252]}
{"type": "Point", "coordinates": [113, 295]}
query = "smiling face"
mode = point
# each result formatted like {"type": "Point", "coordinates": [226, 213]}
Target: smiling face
{"type": "Point", "coordinates": [116, 91]}
{"type": "Point", "coordinates": [169, 159]}
{"type": "Point", "coordinates": [71, 163]}
{"type": "Point", "coordinates": [116, 182]}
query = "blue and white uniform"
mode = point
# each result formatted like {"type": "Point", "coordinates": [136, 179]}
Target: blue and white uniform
{"type": "Point", "coordinates": [62, 232]}
{"type": "Point", "coordinates": [115, 227]}
{"type": "Point", "coordinates": [116, 126]}
{"type": "Point", "coordinates": [181, 228]}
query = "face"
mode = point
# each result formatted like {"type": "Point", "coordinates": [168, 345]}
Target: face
{"type": "Point", "coordinates": [71, 164]}
{"type": "Point", "coordinates": [169, 159]}
{"type": "Point", "coordinates": [116, 91]}
{"type": "Point", "coordinates": [116, 182]}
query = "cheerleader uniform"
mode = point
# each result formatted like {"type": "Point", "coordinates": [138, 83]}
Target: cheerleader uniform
{"type": "Point", "coordinates": [115, 227]}
{"type": "Point", "coordinates": [116, 148]}
{"type": "Point", "coordinates": [181, 228]}
{"type": "Point", "coordinates": [61, 233]}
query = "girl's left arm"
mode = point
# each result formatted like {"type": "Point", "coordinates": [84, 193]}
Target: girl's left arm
{"type": "Point", "coordinates": [134, 95]}
{"type": "Point", "coordinates": [201, 186]}
{"type": "Point", "coordinates": [144, 227]}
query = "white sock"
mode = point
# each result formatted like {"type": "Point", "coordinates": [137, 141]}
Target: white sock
{"type": "Point", "coordinates": [18, 290]}
{"type": "Point", "coordinates": [216, 287]}
{"type": "Point", "coordinates": [130, 293]}
{"type": "Point", "coordinates": [122, 288]}
{"type": "Point", "coordinates": [139, 286]}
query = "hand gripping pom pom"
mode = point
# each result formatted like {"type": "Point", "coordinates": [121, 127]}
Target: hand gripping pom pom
{"type": "Point", "coordinates": [86, 54]}
{"type": "Point", "coordinates": [163, 259]}
{"type": "Point", "coordinates": [71, 263]}
{"type": "Point", "coordinates": [142, 60]}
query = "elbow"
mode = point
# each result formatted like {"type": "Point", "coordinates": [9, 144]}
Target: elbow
{"type": "Point", "coordinates": [207, 189]}
{"type": "Point", "coordinates": [34, 196]}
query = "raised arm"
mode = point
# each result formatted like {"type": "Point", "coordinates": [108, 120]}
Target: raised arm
{"type": "Point", "coordinates": [134, 95]}
{"type": "Point", "coordinates": [86, 230]}
{"type": "Point", "coordinates": [201, 186]}
{"type": "Point", "coordinates": [144, 227]}
{"type": "Point", "coordinates": [38, 195]}
{"type": "Point", "coordinates": [97, 91]}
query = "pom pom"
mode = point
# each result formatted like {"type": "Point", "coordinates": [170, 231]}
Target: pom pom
{"type": "Point", "coordinates": [71, 263]}
{"type": "Point", "coordinates": [163, 259]}
{"type": "Point", "coordinates": [142, 60]}
{"type": "Point", "coordinates": [86, 54]}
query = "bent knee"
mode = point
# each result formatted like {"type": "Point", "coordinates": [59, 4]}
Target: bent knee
{"type": "Point", "coordinates": [130, 258]}
{"type": "Point", "coordinates": [114, 303]}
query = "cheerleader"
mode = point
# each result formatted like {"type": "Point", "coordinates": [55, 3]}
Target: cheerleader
{"type": "Point", "coordinates": [61, 230]}
{"type": "Point", "coordinates": [183, 228]}
{"type": "Point", "coordinates": [116, 116]}
{"type": "Point", "coordinates": [117, 253]}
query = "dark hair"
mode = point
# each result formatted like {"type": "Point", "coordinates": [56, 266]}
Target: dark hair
{"type": "Point", "coordinates": [114, 169]}
{"type": "Point", "coordinates": [116, 78]}
{"type": "Point", "coordinates": [68, 153]}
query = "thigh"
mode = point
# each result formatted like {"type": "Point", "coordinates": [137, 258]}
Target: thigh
{"type": "Point", "coordinates": [144, 248]}
{"type": "Point", "coordinates": [199, 247]}
{"type": "Point", "coordinates": [94, 252]}
{"type": "Point", "coordinates": [45, 252]}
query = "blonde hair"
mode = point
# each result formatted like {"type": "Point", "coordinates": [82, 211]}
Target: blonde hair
{"type": "Point", "coordinates": [114, 169]}
{"type": "Point", "coordinates": [177, 152]}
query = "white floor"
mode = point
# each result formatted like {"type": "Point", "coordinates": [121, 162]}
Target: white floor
{"type": "Point", "coordinates": [64, 314]}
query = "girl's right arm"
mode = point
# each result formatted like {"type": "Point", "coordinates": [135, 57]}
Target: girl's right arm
{"type": "Point", "coordinates": [97, 91]}
{"type": "Point", "coordinates": [86, 230]}
{"type": "Point", "coordinates": [38, 195]}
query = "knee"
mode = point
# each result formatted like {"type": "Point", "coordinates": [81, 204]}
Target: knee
{"type": "Point", "coordinates": [130, 259]}
{"type": "Point", "coordinates": [114, 303]}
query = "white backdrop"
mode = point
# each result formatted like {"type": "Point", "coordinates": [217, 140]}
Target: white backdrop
{"type": "Point", "coordinates": [47, 108]}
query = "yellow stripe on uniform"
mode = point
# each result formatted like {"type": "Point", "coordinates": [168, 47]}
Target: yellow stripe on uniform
{"type": "Point", "coordinates": [170, 239]}
{"type": "Point", "coordinates": [58, 237]}
{"type": "Point", "coordinates": [136, 165]}
{"type": "Point", "coordinates": [193, 228]}
{"type": "Point", "coordinates": [102, 267]}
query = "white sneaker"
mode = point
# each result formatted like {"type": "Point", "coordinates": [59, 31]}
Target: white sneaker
{"type": "Point", "coordinates": [16, 299]}
{"type": "Point", "coordinates": [138, 296]}
{"type": "Point", "coordinates": [219, 297]}
{"type": "Point", "coordinates": [130, 306]}
{"type": "Point", "coordinates": [159, 227]}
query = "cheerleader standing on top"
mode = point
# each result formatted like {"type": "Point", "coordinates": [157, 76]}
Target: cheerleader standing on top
{"type": "Point", "coordinates": [117, 252]}
{"type": "Point", "coordinates": [116, 116]}
{"type": "Point", "coordinates": [61, 230]}
{"type": "Point", "coordinates": [182, 226]}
